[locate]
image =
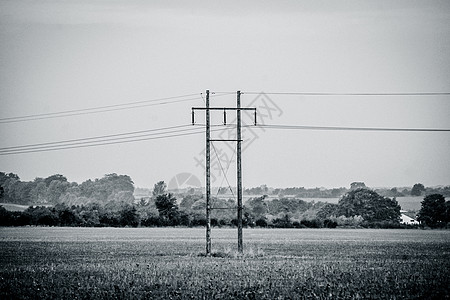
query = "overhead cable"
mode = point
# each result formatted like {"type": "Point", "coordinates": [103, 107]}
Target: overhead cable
{"type": "Point", "coordinates": [351, 94]}
{"type": "Point", "coordinates": [104, 142]}
{"type": "Point", "coordinates": [341, 128]}
{"type": "Point", "coordinates": [104, 138]}
{"type": "Point", "coordinates": [100, 109]}
{"type": "Point", "coordinates": [334, 128]}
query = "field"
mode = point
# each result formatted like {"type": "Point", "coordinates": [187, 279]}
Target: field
{"type": "Point", "coordinates": [14, 207]}
{"type": "Point", "coordinates": [18, 207]}
{"type": "Point", "coordinates": [164, 263]}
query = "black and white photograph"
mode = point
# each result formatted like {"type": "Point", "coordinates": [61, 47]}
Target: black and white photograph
{"type": "Point", "coordinates": [294, 149]}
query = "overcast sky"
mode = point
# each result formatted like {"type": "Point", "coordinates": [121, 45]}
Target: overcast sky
{"type": "Point", "coordinates": [69, 55]}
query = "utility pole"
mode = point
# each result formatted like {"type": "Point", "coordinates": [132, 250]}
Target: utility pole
{"type": "Point", "coordinates": [238, 139]}
{"type": "Point", "coordinates": [208, 178]}
{"type": "Point", "coordinates": [239, 174]}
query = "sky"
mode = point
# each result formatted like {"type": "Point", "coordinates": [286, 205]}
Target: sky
{"type": "Point", "coordinates": [58, 56]}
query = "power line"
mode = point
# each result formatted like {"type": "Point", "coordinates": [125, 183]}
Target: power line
{"type": "Point", "coordinates": [340, 128]}
{"type": "Point", "coordinates": [104, 138]}
{"type": "Point", "coordinates": [334, 128]}
{"type": "Point", "coordinates": [100, 109]}
{"type": "Point", "coordinates": [102, 142]}
{"type": "Point", "coordinates": [96, 144]}
{"type": "Point", "coordinates": [351, 94]}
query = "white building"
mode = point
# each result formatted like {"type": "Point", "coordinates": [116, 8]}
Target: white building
{"type": "Point", "coordinates": [408, 220]}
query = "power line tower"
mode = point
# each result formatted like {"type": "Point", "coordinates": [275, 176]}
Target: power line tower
{"type": "Point", "coordinates": [238, 140]}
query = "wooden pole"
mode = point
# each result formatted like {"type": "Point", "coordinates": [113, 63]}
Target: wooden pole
{"type": "Point", "coordinates": [208, 179]}
{"type": "Point", "coordinates": [239, 175]}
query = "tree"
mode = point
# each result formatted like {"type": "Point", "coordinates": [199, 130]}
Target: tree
{"type": "Point", "coordinates": [55, 190]}
{"type": "Point", "coordinates": [105, 189]}
{"type": "Point", "coordinates": [4, 177]}
{"type": "Point", "coordinates": [159, 188]}
{"type": "Point", "coordinates": [261, 222]}
{"type": "Point", "coordinates": [9, 183]}
{"type": "Point", "coordinates": [417, 189]}
{"type": "Point", "coordinates": [188, 201]}
{"type": "Point", "coordinates": [129, 216]}
{"type": "Point", "coordinates": [42, 216]}
{"type": "Point", "coordinates": [370, 205]}
{"type": "Point", "coordinates": [434, 211]}
{"type": "Point", "coordinates": [393, 192]}
{"type": "Point", "coordinates": [120, 199]}
{"type": "Point", "coordinates": [258, 206]}
{"type": "Point", "coordinates": [167, 207]}
{"type": "Point", "coordinates": [57, 177]}
{"type": "Point", "coordinates": [5, 217]}
{"type": "Point", "coordinates": [38, 193]}
{"type": "Point", "coordinates": [357, 185]}
{"type": "Point", "coordinates": [119, 183]}
{"type": "Point", "coordinates": [222, 190]}
{"type": "Point", "coordinates": [90, 217]}
{"type": "Point", "coordinates": [327, 211]}
{"type": "Point", "coordinates": [67, 217]}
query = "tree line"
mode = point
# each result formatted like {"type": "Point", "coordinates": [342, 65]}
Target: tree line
{"type": "Point", "coordinates": [417, 189]}
{"type": "Point", "coordinates": [109, 201]}
{"type": "Point", "coordinates": [358, 208]}
{"type": "Point", "coordinates": [56, 189]}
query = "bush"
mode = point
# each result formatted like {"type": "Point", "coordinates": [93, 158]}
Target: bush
{"type": "Point", "coordinates": [129, 217]}
{"type": "Point", "coordinates": [381, 225]}
{"type": "Point", "coordinates": [6, 218]}
{"type": "Point", "coordinates": [314, 223]}
{"type": "Point", "coordinates": [214, 222]}
{"type": "Point", "coordinates": [329, 223]}
{"type": "Point", "coordinates": [109, 218]}
{"type": "Point", "coordinates": [42, 215]}
{"type": "Point", "coordinates": [284, 222]}
{"type": "Point", "coordinates": [354, 221]}
{"type": "Point", "coordinates": [297, 224]}
{"type": "Point", "coordinates": [150, 221]}
{"type": "Point", "coordinates": [261, 222]}
{"type": "Point", "coordinates": [199, 220]}
{"type": "Point", "coordinates": [68, 217]}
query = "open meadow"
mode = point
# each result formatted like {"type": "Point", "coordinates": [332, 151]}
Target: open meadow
{"type": "Point", "coordinates": [165, 263]}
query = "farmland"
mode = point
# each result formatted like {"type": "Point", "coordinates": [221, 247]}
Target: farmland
{"type": "Point", "coordinates": [137, 263]}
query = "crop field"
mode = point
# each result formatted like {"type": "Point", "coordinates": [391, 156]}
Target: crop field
{"type": "Point", "coordinates": [166, 263]}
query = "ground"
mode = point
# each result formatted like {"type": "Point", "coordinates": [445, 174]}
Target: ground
{"type": "Point", "coordinates": [152, 263]}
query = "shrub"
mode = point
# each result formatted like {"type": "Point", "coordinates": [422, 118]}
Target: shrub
{"type": "Point", "coordinates": [329, 223]}
{"type": "Point", "coordinates": [261, 222]}
{"type": "Point", "coordinates": [314, 223]}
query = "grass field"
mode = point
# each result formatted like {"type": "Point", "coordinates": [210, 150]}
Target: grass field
{"type": "Point", "coordinates": [164, 263]}
{"type": "Point", "coordinates": [18, 207]}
